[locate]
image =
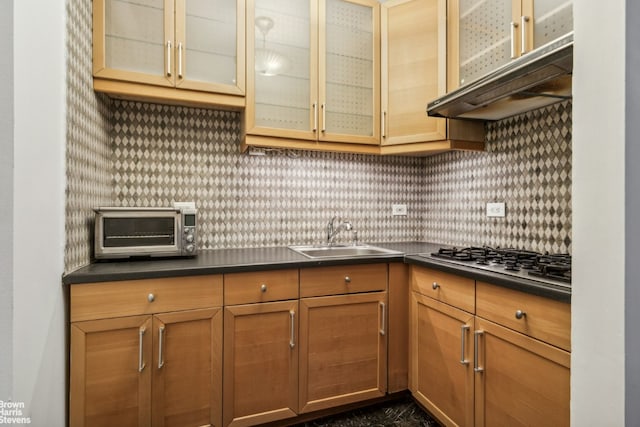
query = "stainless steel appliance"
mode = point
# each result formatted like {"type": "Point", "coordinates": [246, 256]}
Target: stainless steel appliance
{"type": "Point", "coordinates": [554, 269]}
{"type": "Point", "coordinates": [145, 232]}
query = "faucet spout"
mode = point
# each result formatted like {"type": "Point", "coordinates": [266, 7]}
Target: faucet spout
{"type": "Point", "coordinates": [333, 230]}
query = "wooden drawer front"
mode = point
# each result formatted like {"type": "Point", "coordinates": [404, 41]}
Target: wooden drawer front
{"type": "Point", "coordinates": [342, 279]}
{"type": "Point", "coordinates": [260, 286]}
{"type": "Point", "coordinates": [148, 296]}
{"type": "Point", "coordinates": [448, 288]}
{"type": "Point", "coordinates": [544, 319]}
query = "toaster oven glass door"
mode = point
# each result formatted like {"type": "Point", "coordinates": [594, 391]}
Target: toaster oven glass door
{"type": "Point", "coordinates": [143, 232]}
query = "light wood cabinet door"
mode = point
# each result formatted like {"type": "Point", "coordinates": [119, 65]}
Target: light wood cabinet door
{"type": "Point", "coordinates": [440, 351]}
{"type": "Point", "coordinates": [187, 368]}
{"type": "Point", "coordinates": [343, 350]}
{"type": "Point", "coordinates": [110, 378]}
{"type": "Point", "coordinates": [260, 376]}
{"type": "Point", "coordinates": [521, 381]}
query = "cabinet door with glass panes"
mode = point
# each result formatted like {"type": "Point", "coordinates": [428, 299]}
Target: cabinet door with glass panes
{"type": "Point", "coordinates": [189, 44]}
{"type": "Point", "coordinates": [487, 34]}
{"type": "Point", "coordinates": [313, 70]}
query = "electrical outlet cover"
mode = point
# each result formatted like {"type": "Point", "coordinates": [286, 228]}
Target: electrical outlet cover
{"type": "Point", "coordinates": [496, 210]}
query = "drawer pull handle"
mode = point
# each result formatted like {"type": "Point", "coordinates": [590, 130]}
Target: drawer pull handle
{"type": "Point", "coordinates": [383, 318]}
{"type": "Point", "coordinates": [263, 288]}
{"type": "Point", "coordinates": [520, 314]}
{"type": "Point", "coordinates": [141, 363]}
{"type": "Point", "coordinates": [160, 340]}
{"type": "Point", "coordinates": [292, 341]}
{"type": "Point", "coordinates": [463, 336]}
{"type": "Point", "coordinates": [347, 279]}
{"type": "Point", "coordinates": [151, 297]}
{"type": "Point", "coordinates": [476, 351]}
{"type": "Point", "coordinates": [435, 286]}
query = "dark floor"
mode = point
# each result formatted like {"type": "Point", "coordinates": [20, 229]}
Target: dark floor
{"type": "Point", "coordinates": [401, 413]}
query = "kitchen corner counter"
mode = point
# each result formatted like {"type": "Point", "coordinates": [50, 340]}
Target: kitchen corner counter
{"type": "Point", "coordinates": [219, 261]}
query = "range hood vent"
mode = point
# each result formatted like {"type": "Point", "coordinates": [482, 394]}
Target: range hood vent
{"type": "Point", "coordinates": [539, 78]}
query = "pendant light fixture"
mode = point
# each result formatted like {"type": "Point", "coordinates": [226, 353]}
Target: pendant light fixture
{"type": "Point", "coordinates": [268, 62]}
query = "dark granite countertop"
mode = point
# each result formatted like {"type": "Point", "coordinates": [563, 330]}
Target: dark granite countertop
{"type": "Point", "coordinates": [219, 261]}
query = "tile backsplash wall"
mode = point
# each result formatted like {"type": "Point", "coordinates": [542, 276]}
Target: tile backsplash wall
{"type": "Point", "coordinates": [527, 165]}
{"type": "Point", "coordinates": [167, 153]}
{"type": "Point", "coordinates": [137, 154]}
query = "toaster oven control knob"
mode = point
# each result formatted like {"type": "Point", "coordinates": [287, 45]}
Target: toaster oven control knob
{"type": "Point", "coordinates": [189, 238]}
{"type": "Point", "coordinates": [190, 248]}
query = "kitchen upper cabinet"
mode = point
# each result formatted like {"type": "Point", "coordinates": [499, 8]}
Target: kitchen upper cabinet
{"type": "Point", "coordinates": [414, 72]}
{"type": "Point", "coordinates": [313, 79]}
{"type": "Point", "coordinates": [146, 353]}
{"type": "Point", "coordinates": [176, 51]}
{"type": "Point", "coordinates": [486, 35]}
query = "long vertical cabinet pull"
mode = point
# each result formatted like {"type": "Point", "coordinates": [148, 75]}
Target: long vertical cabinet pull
{"type": "Point", "coordinates": [292, 341]}
{"type": "Point", "coordinates": [315, 116]}
{"type": "Point", "coordinates": [141, 363]}
{"type": "Point", "coordinates": [384, 127]}
{"type": "Point", "coordinates": [514, 26]}
{"type": "Point", "coordinates": [523, 40]}
{"type": "Point", "coordinates": [476, 341]}
{"type": "Point", "coordinates": [168, 58]}
{"type": "Point", "coordinates": [383, 318]}
{"type": "Point", "coordinates": [160, 341]}
{"type": "Point", "coordinates": [323, 107]}
{"type": "Point", "coordinates": [180, 60]}
{"type": "Point", "coordinates": [463, 350]}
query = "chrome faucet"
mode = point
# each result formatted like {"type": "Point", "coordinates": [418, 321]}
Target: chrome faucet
{"type": "Point", "coordinates": [333, 230]}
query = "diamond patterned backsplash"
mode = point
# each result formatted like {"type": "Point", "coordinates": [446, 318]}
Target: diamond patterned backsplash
{"type": "Point", "coordinates": [127, 153]}
{"type": "Point", "coordinates": [527, 165]}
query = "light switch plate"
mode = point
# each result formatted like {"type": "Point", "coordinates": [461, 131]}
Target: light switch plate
{"type": "Point", "coordinates": [399, 210]}
{"type": "Point", "coordinates": [496, 209]}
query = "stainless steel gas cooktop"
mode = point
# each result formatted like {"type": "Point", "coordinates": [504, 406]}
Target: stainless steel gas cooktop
{"type": "Point", "coordinates": [547, 268]}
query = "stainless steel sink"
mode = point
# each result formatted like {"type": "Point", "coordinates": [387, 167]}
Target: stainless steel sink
{"type": "Point", "coordinates": [340, 251]}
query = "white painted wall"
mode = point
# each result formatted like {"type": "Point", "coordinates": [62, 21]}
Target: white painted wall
{"type": "Point", "coordinates": [39, 362]}
{"type": "Point", "coordinates": [6, 199]}
{"type": "Point", "coordinates": [598, 294]}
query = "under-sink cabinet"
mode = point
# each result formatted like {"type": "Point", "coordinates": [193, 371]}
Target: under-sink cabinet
{"type": "Point", "coordinates": [146, 353]}
{"type": "Point", "coordinates": [485, 355]}
{"type": "Point", "coordinates": [343, 335]}
{"type": "Point", "coordinates": [261, 347]}
{"type": "Point", "coordinates": [170, 51]}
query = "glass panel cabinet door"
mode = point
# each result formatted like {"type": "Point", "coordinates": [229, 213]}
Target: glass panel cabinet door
{"type": "Point", "coordinates": [208, 36]}
{"type": "Point", "coordinates": [282, 68]}
{"type": "Point", "coordinates": [131, 40]}
{"type": "Point", "coordinates": [486, 40]}
{"type": "Point", "coordinates": [552, 19]}
{"type": "Point", "coordinates": [349, 71]}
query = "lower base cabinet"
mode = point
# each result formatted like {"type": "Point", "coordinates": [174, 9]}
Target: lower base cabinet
{"type": "Point", "coordinates": [343, 351]}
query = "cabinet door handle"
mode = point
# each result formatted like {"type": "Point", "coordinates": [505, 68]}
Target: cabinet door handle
{"type": "Point", "coordinates": [514, 26]}
{"type": "Point", "coordinates": [347, 279]}
{"type": "Point", "coordinates": [435, 286]}
{"type": "Point", "coordinates": [476, 342]}
{"type": "Point", "coordinates": [463, 336]}
{"type": "Point", "coordinates": [323, 107]}
{"type": "Point", "coordinates": [520, 314]}
{"type": "Point", "coordinates": [315, 116]}
{"type": "Point", "coordinates": [141, 363]}
{"type": "Point", "coordinates": [292, 340]}
{"type": "Point", "coordinates": [168, 58]}
{"type": "Point", "coordinates": [383, 318]}
{"type": "Point", "coordinates": [180, 60]}
{"type": "Point", "coordinates": [523, 29]}
{"type": "Point", "coordinates": [160, 341]}
{"type": "Point", "coordinates": [384, 122]}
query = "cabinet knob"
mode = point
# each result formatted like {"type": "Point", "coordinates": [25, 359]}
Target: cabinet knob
{"type": "Point", "coordinates": [151, 297]}
{"type": "Point", "coordinates": [435, 286]}
{"type": "Point", "coordinates": [520, 314]}
{"type": "Point", "coordinates": [347, 279]}
{"type": "Point", "coordinates": [263, 287]}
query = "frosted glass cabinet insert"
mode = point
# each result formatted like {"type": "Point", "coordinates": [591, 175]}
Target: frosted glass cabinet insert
{"type": "Point", "coordinates": [313, 70]}
{"type": "Point", "coordinates": [492, 32]}
{"type": "Point", "coordinates": [194, 44]}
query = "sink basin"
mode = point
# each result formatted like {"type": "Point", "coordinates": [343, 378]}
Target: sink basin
{"type": "Point", "coordinates": [339, 251]}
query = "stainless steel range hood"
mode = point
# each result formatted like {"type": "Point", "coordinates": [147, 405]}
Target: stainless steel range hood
{"type": "Point", "coordinates": [539, 78]}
